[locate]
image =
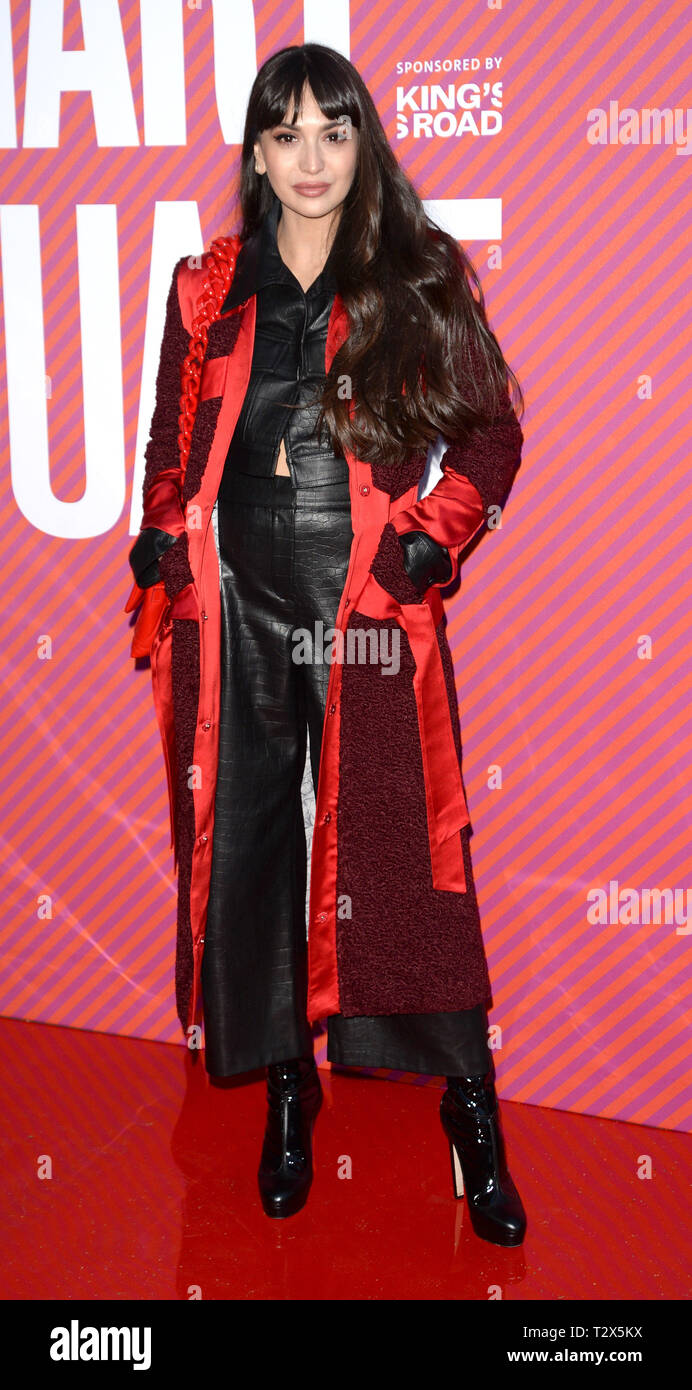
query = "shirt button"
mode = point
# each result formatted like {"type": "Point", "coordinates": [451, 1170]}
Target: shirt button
{"type": "Point", "coordinates": [364, 490]}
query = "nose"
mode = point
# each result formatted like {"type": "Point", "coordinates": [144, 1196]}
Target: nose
{"type": "Point", "coordinates": [311, 157]}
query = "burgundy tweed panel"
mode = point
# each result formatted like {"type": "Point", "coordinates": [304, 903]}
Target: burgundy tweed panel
{"type": "Point", "coordinates": [162, 449]}
{"type": "Point", "coordinates": [174, 567]}
{"type": "Point", "coordinates": [185, 681]}
{"type": "Point", "coordinates": [408, 947]}
{"type": "Point", "coordinates": [389, 571]}
{"type": "Point", "coordinates": [398, 479]}
{"type": "Point", "coordinates": [223, 334]}
{"type": "Point", "coordinates": [489, 459]}
{"type": "Point", "coordinates": [200, 445]}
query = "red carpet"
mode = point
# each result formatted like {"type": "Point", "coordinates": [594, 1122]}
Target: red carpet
{"type": "Point", "coordinates": [153, 1190]}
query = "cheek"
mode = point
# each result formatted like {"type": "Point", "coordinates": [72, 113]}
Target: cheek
{"type": "Point", "coordinates": [346, 158]}
{"type": "Point", "coordinates": [279, 159]}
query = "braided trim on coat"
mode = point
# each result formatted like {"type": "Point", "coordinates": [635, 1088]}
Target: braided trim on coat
{"type": "Point", "coordinates": [220, 262]}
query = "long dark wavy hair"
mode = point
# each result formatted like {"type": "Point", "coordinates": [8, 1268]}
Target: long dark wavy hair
{"type": "Point", "coordinates": [420, 355]}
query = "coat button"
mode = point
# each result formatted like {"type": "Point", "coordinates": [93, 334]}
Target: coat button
{"type": "Point", "coordinates": [321, 917]}
{"type": "Point", "coordinates": [206, 724]}
{"type": "Point", "coordinates": [332, 709]}
{"type": "Point", "coordinates": [203, 839]}
{"type": "Point", "coordinates": [204, 617]}
{"type": "Point", "coordinates": [364, 490]}
{"type": "Point", "coordinates": [326, 819]}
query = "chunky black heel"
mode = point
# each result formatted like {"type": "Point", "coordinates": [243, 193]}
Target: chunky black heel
{"type": "Point", "coordinates": [294, 1096]}
{"type": "Point", "coordinates": [471, 1120]}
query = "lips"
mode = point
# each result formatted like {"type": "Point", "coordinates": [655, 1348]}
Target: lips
{"type": "Point", "coordinates": [311, 187]}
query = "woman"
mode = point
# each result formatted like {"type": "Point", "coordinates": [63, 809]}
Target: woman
{"type": "Point", "coordinates": [305, 372]}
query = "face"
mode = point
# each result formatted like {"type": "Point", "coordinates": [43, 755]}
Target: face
{"type": "Point", "coordinates": [310, 165]}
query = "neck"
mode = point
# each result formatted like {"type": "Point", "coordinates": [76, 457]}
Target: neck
{"type": "Point", "coordinates": [305, 241]}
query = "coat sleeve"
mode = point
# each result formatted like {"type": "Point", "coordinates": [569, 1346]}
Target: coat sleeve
{"type": "Point", "coordinates": [476, 475]}
{"type": "Point", "coordinates": [163, 535]}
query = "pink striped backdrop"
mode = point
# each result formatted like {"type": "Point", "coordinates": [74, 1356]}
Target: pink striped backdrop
{"type": "Point", "coordinates": [570, 633]}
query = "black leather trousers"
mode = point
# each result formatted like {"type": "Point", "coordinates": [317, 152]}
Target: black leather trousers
{"type": "Point", "coordinates": [284, 553]}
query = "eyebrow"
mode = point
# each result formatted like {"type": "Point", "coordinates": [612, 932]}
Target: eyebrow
{"type": "Point", "coordinates": [326, 125]}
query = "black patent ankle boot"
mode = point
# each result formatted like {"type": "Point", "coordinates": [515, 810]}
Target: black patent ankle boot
{"type": "Point", "coordinates": [294, 1096]}
{"type": "Point", "coordinates": [471, 1120]}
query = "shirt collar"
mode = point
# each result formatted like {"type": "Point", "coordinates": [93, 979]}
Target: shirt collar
{"type": "Point", "coordinates": [259, 264]}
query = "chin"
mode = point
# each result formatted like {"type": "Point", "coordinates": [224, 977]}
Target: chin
{"type": "Point", "coordinates": [314, 207]}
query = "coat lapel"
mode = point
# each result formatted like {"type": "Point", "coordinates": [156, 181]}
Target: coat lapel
{"type": "Point", "coordinates": [245, 277]}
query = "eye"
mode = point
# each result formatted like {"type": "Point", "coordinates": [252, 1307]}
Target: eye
{"type": "Point", "coordinates": [284, 135]}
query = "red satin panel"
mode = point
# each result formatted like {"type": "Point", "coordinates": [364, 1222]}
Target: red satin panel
{"type": "Point", "coordinates": [163, 704]}
{"type": "Point", "coordinates": [163, 507]}
{"type": "Point", "coordinates": [323, 975]}
{"type": "Point", "coordinates": [452, 514]}
{"type": "Point", "coordinates": [204, 565]}
{"type": "Point", "coordinates": [154, 604]}
{"type": "Point", "coordinates": [213, 378]}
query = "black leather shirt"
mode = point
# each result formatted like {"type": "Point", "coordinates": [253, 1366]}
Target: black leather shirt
{"type": "Point", "coordinates": [287, 375]}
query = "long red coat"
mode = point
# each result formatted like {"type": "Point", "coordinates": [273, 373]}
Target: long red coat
{"type": "Point", "coordinates": [393, 920]}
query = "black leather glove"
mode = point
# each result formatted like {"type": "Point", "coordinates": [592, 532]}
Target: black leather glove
{"type": "Point", "coordinates": [425, 561]}
{"type": "Point", "coordinates": [144, 555]}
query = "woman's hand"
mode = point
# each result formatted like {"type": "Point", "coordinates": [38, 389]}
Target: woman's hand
{"type": "Point", "coordinates": [144, 555]}
{"type": "Point", "coordinates": [425, 561]}
{"type": "Point", "coordinates": [154, 603]}
{"type": "Point", "coordinates": [407, 565]}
